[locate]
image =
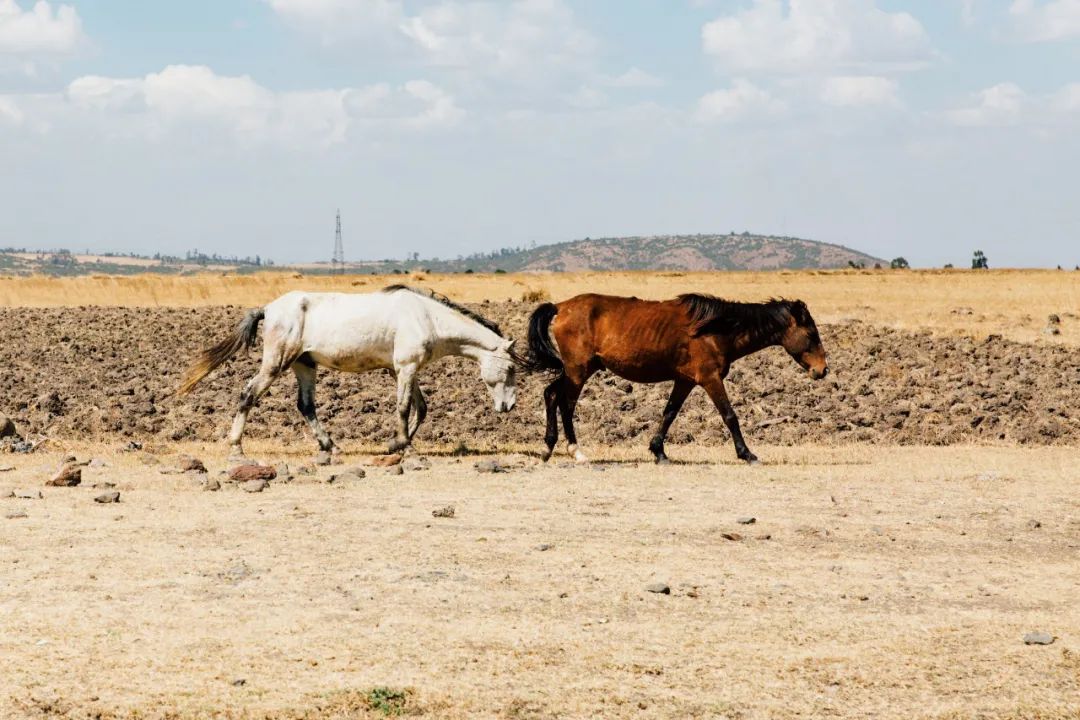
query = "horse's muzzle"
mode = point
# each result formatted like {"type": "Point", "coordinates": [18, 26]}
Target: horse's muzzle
{"type": "Point", "coordinates": [816, 374]}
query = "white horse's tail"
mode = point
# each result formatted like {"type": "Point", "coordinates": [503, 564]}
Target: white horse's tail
{"type": "Point", "coordinates": [243, 336]}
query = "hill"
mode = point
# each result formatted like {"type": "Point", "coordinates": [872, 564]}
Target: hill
{"type": "Point", "coordinates": [659, 252]}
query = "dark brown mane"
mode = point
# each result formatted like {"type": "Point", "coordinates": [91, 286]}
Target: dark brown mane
{"type": "Point", "coordinates": [760, 321]}
{"type": "Point", "coordinates": [443, 300]}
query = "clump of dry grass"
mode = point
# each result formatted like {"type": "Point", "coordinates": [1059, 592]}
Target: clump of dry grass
{"type": "Point", "coordinates": [533, 295]}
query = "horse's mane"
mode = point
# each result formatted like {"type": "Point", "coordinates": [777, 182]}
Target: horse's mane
{"type": "Point", "coordinates": [443, 300]}
{"type": "Point", "coordinates": [761, 321]}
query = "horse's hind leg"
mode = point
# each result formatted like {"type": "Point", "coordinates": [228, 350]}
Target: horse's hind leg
{"type": "Point", "coordinates": [405, 377]}
{"type": "Point", "coordinates": [718, 394]}
{"type": "Point", "coordinates": [305, 373]}
{"type": "Point", "coordinates": [551, 406]}
{"type": "Point", "coordinates": [256, 387]}
{"type": "Point", "coordinates": [570, 391]}
{"type": "Point", "coordinates": [675, 402]}
{"type": "Point", "coordinates": [419, 409]}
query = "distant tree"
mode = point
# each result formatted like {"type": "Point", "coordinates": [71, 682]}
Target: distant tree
{"type": "Point", "coordinates": [948, 266]}
{"type": "Point", "coordinates": [877, 266]}
{"type": "Point", "coordinates": [856, 265]}
{"type": "Point", "coordinates": [899, 263]}
{"type": "Point", "coordinates": [979, 262]}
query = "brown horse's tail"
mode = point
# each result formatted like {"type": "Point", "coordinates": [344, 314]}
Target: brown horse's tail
{"type": "Point", "coordinates": [543, 355]}
{"type": "Point", "coordinates": [243, 336]}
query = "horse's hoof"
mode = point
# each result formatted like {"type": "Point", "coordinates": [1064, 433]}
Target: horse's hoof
{"type": "Point", "coordinates": [237, 456]}
{"type": "Point", "coordinates": [752, 461]}
{"type": "Point", "coordinates": [323, 458]}
{"type": "Point", "coordinates": [580, 458]}
{"type": "Point", "coordinates": [546, 455]}
{"type": "Point", "coordinates": [663, 460]}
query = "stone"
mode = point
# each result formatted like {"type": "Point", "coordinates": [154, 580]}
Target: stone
{"type": "Point", "coordinates": [97, 464]}
{"type": "Point", "coordinates": [7, 427]}
{"type": "Point", "coordinates": [413, 464]}
{"type": "Point", "coordinates": [443, 512]}
{"type": "Point", "coordinates": [1038, 638]}
{"type": "Point", "coordinates": [256, 485]}
{"type": "Point", "coordinates": [348, 476]}
{"type": "Point", "coordinates": [734, 537]}
{"type": "Point", "coordinates": [659, 588]}
{"type": "Point", "coordinates": [386, 460]}
{"type": "Point", "coordinates": [68, 476]}
{"type": "Point", "coordinates": [103, 485]}
{"type": "Point", "coordinates": [189, 463]}
{"type": "Point", "coordinates": [1034, 524]}
{"type": "Point", "coordinates": [211, 485]}
{"type": "Point", "coordinates": [323, 458]}
{"type": "Point", "coordinates": [28, 494]}
{"type": "Point", "coordinates": [489, 466]}
{"type": "Point", "coordinates": [16, 515]}
{"type": "Point", "coordinates": [544, 547]}
{"type": "Point", "coordinates": [306, 470]}
{"type": "Point", "coordinates": [109, 497]}
{"type": "Point", "coordinates": [247, 473]}
{"type": "Point", "coordinates": [395, 470]}
{"type": "Point", "coordinates": [746, 520]}
{"type": "Point", "coordinates": [283, 472]}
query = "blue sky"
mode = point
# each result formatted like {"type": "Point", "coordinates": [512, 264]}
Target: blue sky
{"type": "Point", "coordinates": [923, 129]}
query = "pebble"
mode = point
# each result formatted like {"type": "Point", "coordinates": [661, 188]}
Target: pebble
{"type": "Point", "coordinates": [544, 547]}
{"type": "Point", "coordinates": [109, 497]}
{"type": "Point", "coordinates": [97, 464]}
{"type": "Point", "coordinates": [306, 470]}
{"type": "Point", "coordinates": [103, 485]}
{"type": "Point", "coordinates": [347, 476]}
{"type": "Point", "coordinates": [257, 485]}
{"type": "Point", "coordinates": [395, 470]}
{"type": "Point", "coordinates": [489, 466]}
{"type": "Point", "coordinates": [413, 464]}
{"type": "Point", "coordinates": [443, 512]}
{"type": "Point", "coordinates": [28, 494]}
{"type": "Point", "coordinates": [1034, 524]}
{"type": "Point", "coordinates": [1038, 638]}
{"type": "Point", "coordinates": [746, 520]}
{"type": "Point", "coordinates": [189, 463]}
{"type": "Point", "coordinates": [734, 537]}
{"type": "Point", "coordinates": [386, 460]}
{"type": "Point", "coordinates": [658, 588]}
{"type": "Point", "coordinates": [211, 485]}
{"type": "Point", "coordinates": [16, 514]}
{"type": "Point", "coordinates": [67, 476]}
{"type": "Point", "coordinates": [283, 472]}
{"type": "Point", "coordinates": [323, 458]}
{"type": "Point", "coordinates": [247, 473]}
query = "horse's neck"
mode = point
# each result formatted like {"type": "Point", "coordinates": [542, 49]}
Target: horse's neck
{"type": "Point", "coordinates": [748, 345]}
{"type": "Point", "coordinates": [458, 335]}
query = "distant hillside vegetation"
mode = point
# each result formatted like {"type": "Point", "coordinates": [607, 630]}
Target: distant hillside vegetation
{"type": "Point", "coordinates": [660, 252]}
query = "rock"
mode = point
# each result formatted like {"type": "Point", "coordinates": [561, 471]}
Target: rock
{"type": "Point", "coordinates": [544, 547]}
{"type": "Point", "coordinates": [283, 472]}
{"type": "Point", "coordinates": [132, 446]}
{"type": "Point", "coordinates": [659, 588]}
{"type": "Point", "coordinates": [1053, 319]}
{"type": "Point", "coordinates": [1052, 330]}
{"type": "Point", "coordinates": [28, 494]}
{"type": "Point", "coordinates": [239, 682]}
{"type": "Point", "coordinates": [68, 476]}
{"type": "Point", "coordinates": [349, 476]}
{"type": "Point", "coordinates": [489, 466]}
{"type": "Point", "coordinates": [443, 512]}
{"type": "Point", "coordinates": [306, 470]}
{"type": "Point", "coordinates": [1034, 524]}
{"type": "Point", "coordinates": [1038, 638]}
{"type": "Point", "coordinates": [16, 515]}
{"type": "Point", "coordinates": [386, 460]}
{"type": "Point", "coordinates": [746, 520]}
{"type": "Point", "coordinates": [103, 485]}
{"type": "Point", "coordinates": [109, 497]}
{"type": "Point", "coordinates": [189, 463]}
{"type": "Point", "coordinates": [7, 427]}
{"type": "Point", "coordinates": [395, 470]}
{"type": "Point", "coordinates": [734, 537]}
{"type": "Point", "coordinates": [323, 458]}
{"type": "Point", "coordinates": [256, 485]}
{"type": "Point", "coordinates": [211, 485]}
{"type": "Point", "coordinates": [97, 464]}
{"type": "Point", "coordinates": [247, 473]}
{"type": "Point", "coordinates": [70, 459]}
{"type": "Point", "coordinates": [6, 468]}
{"type": "Point", "coordinates": [413, 464]}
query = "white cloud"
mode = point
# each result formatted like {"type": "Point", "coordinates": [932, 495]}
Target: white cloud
{"type": "Point", "coordinates": [40, 29]}
{"type": "Point", "coordinates": [10, 111]}
{"type": "Point", "coordinates": [1040, 21]}
{"type": "Point", "coordinates": [635, 77]}
{"type": "Point", "coordinates": [1001, 105]}
{"type": "Point", "coordinates": [742, 101]}
{"type": "Point", "coordinates": [182, 98]}
{"type": "Point", "coordinates": [337, 20]}
{"type": "Point", "coordinates": [806, 36]}
{"type": "Point", "coordinates": [859, 91]}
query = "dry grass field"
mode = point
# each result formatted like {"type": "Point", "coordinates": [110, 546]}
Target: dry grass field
{"type": "Point", "coordinates": [1014, 303]}
{"type": "Point", "coordinates": [876, 581]}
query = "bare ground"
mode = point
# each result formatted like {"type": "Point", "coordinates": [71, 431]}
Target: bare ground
{"type": "Point", "coordinates": [878, 581]}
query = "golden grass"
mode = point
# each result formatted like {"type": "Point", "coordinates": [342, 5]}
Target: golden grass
{"type": "Point", "coordinates": [1014, 303]}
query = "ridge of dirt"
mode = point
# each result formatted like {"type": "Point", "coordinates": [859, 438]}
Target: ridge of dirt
{"type": "Point", "coordinates": [110, 373]}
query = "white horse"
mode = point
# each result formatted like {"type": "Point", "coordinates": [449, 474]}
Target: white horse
{"type": "Point", "coordinates": [399, 328]}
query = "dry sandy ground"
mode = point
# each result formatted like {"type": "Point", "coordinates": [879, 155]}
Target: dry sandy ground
{"type": "Point", "coordinates": [876, 582]}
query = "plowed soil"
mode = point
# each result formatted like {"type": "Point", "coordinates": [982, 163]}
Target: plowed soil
{"type": "Point", "coordinates": [109, 373]}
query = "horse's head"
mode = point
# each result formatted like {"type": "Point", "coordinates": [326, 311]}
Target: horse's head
{"type": "Point", "coordinates": [497, 371]}
{"type": "Point", "coordinates": [802, 342]}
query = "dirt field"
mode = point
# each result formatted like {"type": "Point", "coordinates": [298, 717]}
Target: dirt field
{"type": "Point", "coordinates": [874, 583]}
{"type": "Point", "coordinates": [916, 516]}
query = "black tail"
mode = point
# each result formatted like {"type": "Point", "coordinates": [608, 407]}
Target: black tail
{"type": "Point", "coordinates": [243, 336]}
{"type": "Point", "coordinates": [543, 355]}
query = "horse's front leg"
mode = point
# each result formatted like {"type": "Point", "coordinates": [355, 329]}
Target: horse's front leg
{"type": "Point", "coordinates": [405, 377]}
{"type": "Point", "coordinates": [718, 394]}
{"type": "Point", "coordinates": [679, 394]}
{"type": "Point", "coordinates": [419, 409]}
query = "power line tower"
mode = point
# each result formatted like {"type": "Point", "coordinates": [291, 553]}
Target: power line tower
{"type": "Point", "coordinates": [337, 264]}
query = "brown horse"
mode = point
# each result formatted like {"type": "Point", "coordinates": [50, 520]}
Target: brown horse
{"type": "Point", "coordinates": [691, 340]}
